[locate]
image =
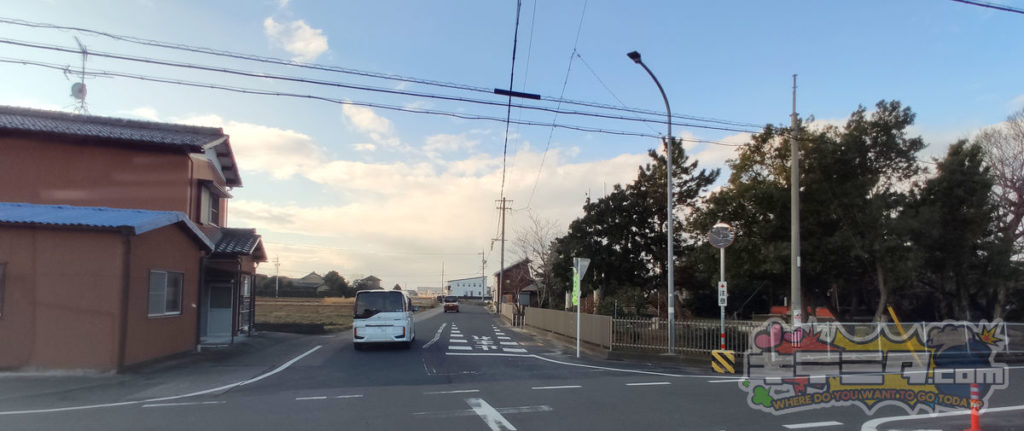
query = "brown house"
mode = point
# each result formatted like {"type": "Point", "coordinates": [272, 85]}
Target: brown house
{"type": "Point", "coordinates": [90, 287]}
{"type": "Point", "coordinates": [56, 158]}
{"type": "Point", "coordinates": [516, 278]}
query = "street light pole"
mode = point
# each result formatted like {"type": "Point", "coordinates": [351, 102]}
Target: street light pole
{"type": "Point", "coordinates": [670, 264]}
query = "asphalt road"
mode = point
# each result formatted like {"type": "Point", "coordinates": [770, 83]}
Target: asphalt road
{"type": "Point", "coordinates": [465, 371]}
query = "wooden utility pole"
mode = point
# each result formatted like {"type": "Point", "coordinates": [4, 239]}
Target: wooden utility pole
{"type": "Point", "coordinates": [501, 270]}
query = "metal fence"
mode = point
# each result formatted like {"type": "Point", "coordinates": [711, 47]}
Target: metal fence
{"type": "Point", "coordinates": [690, 335]}
{"type": "Point", "coordinates": [704, 335]}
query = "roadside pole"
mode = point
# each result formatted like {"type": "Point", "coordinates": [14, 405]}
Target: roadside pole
{"type": "Point", "coordinates": [579, 268]}
{"type": "Point", "coordinates": [721, 236]}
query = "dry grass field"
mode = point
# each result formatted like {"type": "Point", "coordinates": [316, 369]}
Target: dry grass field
{"type": "Point", "coordinates": [334, 313]}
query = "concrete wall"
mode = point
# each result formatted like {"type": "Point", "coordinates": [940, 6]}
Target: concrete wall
{"type": "Point", "coordinates": [168, 249]}
{"type": "Point", "coordinates": [594, 329]}
{"type": "Point", "coordinates": [62, 298]}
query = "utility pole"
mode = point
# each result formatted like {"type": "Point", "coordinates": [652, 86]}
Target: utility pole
{"type": "Point", "coordinates": [483, 275]}
{"type": "Point", "coordinates": [277, 275]}
{"type": "Point", "coordinates": [501, 270]}
{"type": "Point", "coordinates": [442, 279]}
{"type": "Point", "coordinates": [794, 219]}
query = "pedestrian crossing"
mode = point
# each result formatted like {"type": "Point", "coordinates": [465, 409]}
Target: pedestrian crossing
{"type": "Point", "coordinates": [495, 342]}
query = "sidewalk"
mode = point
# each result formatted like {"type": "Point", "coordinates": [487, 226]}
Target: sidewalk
{"type": "Point", "coordinates": [178, 375]}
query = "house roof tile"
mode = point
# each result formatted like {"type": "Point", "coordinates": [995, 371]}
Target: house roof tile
{"type": "Point", "coordinates": [240, 241]}
{"type": "Point", "coordinates": [138, 221]}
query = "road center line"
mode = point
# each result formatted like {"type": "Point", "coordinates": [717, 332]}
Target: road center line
{"type": "Point", "coordinates": [648, 384]}
{"type": "Point", "coordinates": [812, 425]}
{"type": "Point", "coordinates": [197, 403]}
{"type": "Point", "coordinates": [726, 381]}
{"type": "Point", "coordinates": [557, 387]}
{"type": "Point", "coordinates": [310, 398]}
{"type": "Point", "coordinates": [462, 391]}
{"type": "Point", "coordinates": [437, 336]}
{"type": "Point", "coordinates": [494, 420]}
{"type": "Point", "coordinates": [347, 396]}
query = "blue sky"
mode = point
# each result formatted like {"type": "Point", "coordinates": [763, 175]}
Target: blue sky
{"type": "Point", "coordinates": [372, 191]}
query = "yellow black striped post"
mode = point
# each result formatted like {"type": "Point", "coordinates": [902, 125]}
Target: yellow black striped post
{"type": "Point", "coordinates": [723, 361]}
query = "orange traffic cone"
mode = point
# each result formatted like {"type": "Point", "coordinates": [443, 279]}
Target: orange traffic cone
{"type": "Point", "coordinates": [975, 405]}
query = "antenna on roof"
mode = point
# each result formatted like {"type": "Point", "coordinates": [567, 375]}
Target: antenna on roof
{"type": "Point", "coordinates": [78, 90]}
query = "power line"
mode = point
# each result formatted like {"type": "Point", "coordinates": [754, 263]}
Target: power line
{"type": "Point", "coordinates": [565, 83]}
{"type": "Point", "coordinates": [990, 5]}
{"type": "Point", "coordinates": [511, 82]}
{"type": "Point", "coordinates": [303, 80]}
{"type": "Point", "coordinates": [106, 73]}
{"type": "Point", "coordinates": [357, 72]}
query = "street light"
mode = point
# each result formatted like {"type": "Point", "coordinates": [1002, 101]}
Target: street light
{"type": "Point", "coordinates": [670, 266]}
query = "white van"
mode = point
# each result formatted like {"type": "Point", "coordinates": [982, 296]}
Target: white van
{"type": "Point", "coordinates": [383, 316]}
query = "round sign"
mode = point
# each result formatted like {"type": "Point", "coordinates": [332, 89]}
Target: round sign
{"type": "Point", "coordinates": [721, 235]}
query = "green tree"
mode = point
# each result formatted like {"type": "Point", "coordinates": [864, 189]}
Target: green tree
{"type": "Point", "coordinates": [954, 221]}
{"type": "Point", "coordinates": [854, 182]}
{"type": "Point", "coordinates": [624, 232]}
{"type": "Point", "coordinates": [397, 287]}
{"type": "Point", "coordinates": [337, 285]}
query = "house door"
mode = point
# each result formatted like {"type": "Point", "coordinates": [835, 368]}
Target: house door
{"type": "Point", "coordinates": [218, 310]}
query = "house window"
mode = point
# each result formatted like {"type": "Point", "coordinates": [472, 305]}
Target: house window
{"type": "Point", "coordinates": [246, 285]}
{"type": "Point", "coordinates": [165, 289]}
{"type": "Point", "coordinates": [209, 211]}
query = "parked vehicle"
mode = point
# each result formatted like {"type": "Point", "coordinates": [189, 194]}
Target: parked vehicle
{"type": "Point", "coordinates": [451, 303]}
{"type": "Point", "coordinates": [383, 316]}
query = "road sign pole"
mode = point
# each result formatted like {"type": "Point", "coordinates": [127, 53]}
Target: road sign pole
{"type": "Point", "coordinates": [579, 268]}
{"type": "Point", "coordinates": [721, 300]}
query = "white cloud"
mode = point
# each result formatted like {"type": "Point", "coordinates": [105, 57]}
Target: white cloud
{"type": "Point", "coordinates": [279, 152]}
{"type": "Point", "coordinates": [443, 143]}
{"type": "Point", "coordinates": [296, 37]}
{"type": "Point", "coordinates": [364, 147]}
{"type": "Point", "coordinates": [145, 113]}
{"type": "Point", "coordinates": [1017, 102]}
{"type": "Point", "coordinates": [367, 121]}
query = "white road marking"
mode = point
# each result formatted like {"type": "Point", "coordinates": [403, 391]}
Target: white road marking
{"type": "Point", "coordinates": [872, 425]}
{"type": "Point", "coordinates": [489, 354]}
{"type": "Point", "coordinates": [514, 350]}
{"type": "Point", "coordinates": [310, 398]}
{"type": "Point", "coordinates": [508, 343]}
{"type": "Point", "coordinates": [470, 412]}
{"type": "Point", "coordinates": [437, 336]}
{"type": "Point", "coordinates": [557, 387]}
{"type": "Point", "coordinates": [460, 348]}
{"type": "Point", "coordinates": [726, 381]}
{"type": "Point", "coordinates": [812, 425]}
{"type": "Point", "coordinates": [347, 396]}
{"type": "Point", "coordinates": [461, 391]}
{"type": "Point", "coordinates": [504, 338]}
{"type": "Point", "coordinates": [608, 368]}
{"type": "Point", "coordinates": [173, 397]}
{"type": "Point", "coordinates": [648, 384]}
{"type": "Point", "coordinates": [457, 340]}
{"type": "Point", "coordinates": [183, 404]}
{"type": "Point", "coordinates": [494, 420]}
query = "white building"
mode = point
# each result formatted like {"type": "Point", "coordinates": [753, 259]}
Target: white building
{"type": "Point", "coordinates": [475, 287]}
{"type": "Point", "coordinates": [428, 291]}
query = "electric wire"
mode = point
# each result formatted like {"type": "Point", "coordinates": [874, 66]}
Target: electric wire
{"type": "Point", "coordinates": [357, 72]}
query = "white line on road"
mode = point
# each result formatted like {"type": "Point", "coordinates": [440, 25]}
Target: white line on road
{"type": "Point", "coordinates": [872, 425]}
{"type": "Point", "coordinates": [508, 343]}
{"type": "Point", "coordinates": [437, 335]}
{"type": "Point", "coordinates": [182, 404]}
{"type": "Point", "coordinates": [726, 381]}
{"type": "Point", "coordinates": [460, 348]}
{"type": "Point", "coordinates": [504, 338]}
{"type": "Point", "coordinates": [514, 355]}
{"type": "Point", "coordinates": [461, 391]}
{"type": "Point", "coordinates": [173, 397]}
{"type": "Point", "coordinates": [648, 384]}
{"type": "Point", "coordinates": [491, 417]}
{"type": "Point", "coordinates": [453, 340]}
{"type": "Point", "coordinates": [310, 398]}
{"type": "Point", "coordinates": [557, 387]}
{"type": "Point", "coordinates": [347, 396]}
{"type": "Point", "coordinates": [812, 425]}
{"type": "Point", "coordinates": [608, 368]}
{"type": "Point", "coordinates": [509, 349]}
{"type": "Point", "coordinates": [470, 412]}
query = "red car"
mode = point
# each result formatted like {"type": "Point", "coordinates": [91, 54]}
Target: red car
{"type": "Point", "coordinates": [451, 303]}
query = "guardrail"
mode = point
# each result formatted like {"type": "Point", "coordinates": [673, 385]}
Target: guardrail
{"type": "Point", "coordinates": [703, 335]}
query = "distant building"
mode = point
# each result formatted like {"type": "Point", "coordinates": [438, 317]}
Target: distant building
{"type": "Point", "coordinates": [428, 291]}
{"type": "Point", "coordinates": [517, 278]}
{"type": "Point", "coordinates": [475, 287]}
{"type": "Point", "coordinates": [367, 283]}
